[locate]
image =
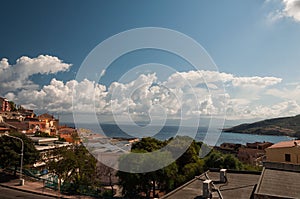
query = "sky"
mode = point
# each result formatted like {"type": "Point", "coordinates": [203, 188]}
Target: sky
{"type": "Point", "coordinates": [254, 45]}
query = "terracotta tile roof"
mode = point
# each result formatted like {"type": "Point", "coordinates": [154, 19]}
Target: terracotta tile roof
{"type": "Point", "coordinates": [66, 130]}
{"type": "Point", "coordinates": [19, 125]}
{"type": "Point", "coordinates": [46, 116]}
{"type": "Point", "coordinates": [285, 144]}
{"type": "Point", "coordinates": [4, 129]}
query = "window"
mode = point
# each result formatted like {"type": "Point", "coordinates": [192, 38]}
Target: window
{"type": "Point", "coordinates": [287, 157]}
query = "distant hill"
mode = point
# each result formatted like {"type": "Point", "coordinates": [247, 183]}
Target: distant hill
{"type": "Point", "coordinates": [289, 126]}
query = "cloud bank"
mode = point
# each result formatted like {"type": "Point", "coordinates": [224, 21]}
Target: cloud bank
{"type": "Point", "coordinates": [291, 9]}
{"type": "Point", "coordinates": [17, 76]}
{"type": "Point", "coordinates": [188, 94]}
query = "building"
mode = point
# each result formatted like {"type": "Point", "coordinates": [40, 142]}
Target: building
{"type": "Point", "coordinates": [259, 145]}
{"type": "Point", "coordinates": [253, 153]}
{"type": "Point", "coordinates": [284, 152]}
{"type": "Point", "coordinates": [51, 123]}
{"type": "Point", "coordinates": [277, 183]}
{"type": "Point", "coordinates": [4, 105]}
{"type": "Point", "coordinates": [44, 145]}
{"type": "Point", "coordinates": [3, 127]}
{"type": "Point", "coordinates": [281, 174]}
{"type": "Point", "coordinates": [228, 148]}
{"type": "Point", "coordinates": [30, 124]}
{"type": "Point", "coordinates": [251, 156]}
{"type": "Point", "coordinates": [17, 125]}
{"type": "Point", "coordinates": [27, 113]}
{"type": "Point", "coordinates": [69, 134]}
{"type": "Point", "coordinates": [237, 185]}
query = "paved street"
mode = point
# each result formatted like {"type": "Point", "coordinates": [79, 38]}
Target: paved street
{"type": "Point", "coordinates": [6, 193]}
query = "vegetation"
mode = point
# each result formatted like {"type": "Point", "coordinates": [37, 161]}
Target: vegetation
{"type": "Point", "coordinates": [104, 171]}
{"type": "Point", "coordinates": [75, 167]}
{"type": "Point", "coordinates": [183, 169]}
{"type": "Point", "coordinates": [289, 126]}
{"type": "Point", "coordinates": [42, 134]}
{"type": "Point", "coordinates": [216, 159]}
{"type": "Point", "coordinates": [46, 135]}
{"type": "Point", "coordinates": [10, 150]}
{"type": "Point", "coordinates": [13, 106]}
{"type": "Point", "coordinates": [78, 172]}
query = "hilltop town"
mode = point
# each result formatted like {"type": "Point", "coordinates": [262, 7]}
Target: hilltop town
{"type": "Point", "coordinates": [20, 119]}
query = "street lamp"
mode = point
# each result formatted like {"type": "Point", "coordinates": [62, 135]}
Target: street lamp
{"type": "Point", "coordinates": [22, 150]}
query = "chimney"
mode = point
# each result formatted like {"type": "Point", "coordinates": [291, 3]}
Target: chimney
{"type": "Point", "coordinates": [207, 189]}
{"type": "Point", "coordinates": [223, 178]}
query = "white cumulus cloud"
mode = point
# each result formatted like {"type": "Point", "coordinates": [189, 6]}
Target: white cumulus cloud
{"type": "Point", "coordinates": [291, 9]}
{"type": "Point", "coordinates": [17, 76]}
{"type": "Point", "coordinates": [183, 94]}
{"type": "Point", "coordinates": [258, 82]}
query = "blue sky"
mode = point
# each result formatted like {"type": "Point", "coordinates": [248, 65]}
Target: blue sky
{"type": "Point", "coordinates": [246, 39]}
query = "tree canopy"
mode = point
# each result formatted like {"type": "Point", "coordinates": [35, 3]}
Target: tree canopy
{"type": "Point", "coordinates": [179, 171]}
{"type": "Point", "coordinates": [75, 166]}
{"type": "Point", "coordinates": [216, 159]}
{"type": "Point", "coordinates": [184, 168]}
{"type": "Point", "coordinates": [10, 150]}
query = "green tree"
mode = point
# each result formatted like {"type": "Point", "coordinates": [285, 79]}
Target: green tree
{"type": "Point", "coordinates": [75, 166]}
{"type": "Point", "coordinates": [136, 183]}
{"type": "Point", "coordinates": [13, 106]}
{"type": "Point", "coordinates": [189, 164]}
{"type": "Point", "coordinates": [104, 171]}
{"type": "Point", "coordinates": [148, 144]}
{"type": "Point", "coordinates": [218, 160]}
{"type": "Point", "coordinates": [42, 134]}
{"type": "Point", "coordinates": [231, 162]}
{"type": "Point", "coordinates": [184, 168]}
{"type": "Point", "coordinates": [10, 150]}
{"type": "Point", "coordinates": [62, 164]}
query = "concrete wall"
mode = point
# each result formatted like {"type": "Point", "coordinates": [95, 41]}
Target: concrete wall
{"type": "Point", "coordinates": [278, 154]}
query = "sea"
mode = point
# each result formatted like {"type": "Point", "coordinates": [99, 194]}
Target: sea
{"type": "Point", "coordinates": [210, 136]}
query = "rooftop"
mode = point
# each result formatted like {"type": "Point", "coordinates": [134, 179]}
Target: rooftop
{"type": "Point", "coordinates": [40, 140]}
{"type": "Point", "coordinates": [53, 146]}
{"type": "Point", "coordinates": [285, 144]}
{"type": "Point", "coordinates": [45, 116]}
{"type": "Point", "coordinates": [240, 185]}
{"type": "Point", "coordinates": [279, 184]}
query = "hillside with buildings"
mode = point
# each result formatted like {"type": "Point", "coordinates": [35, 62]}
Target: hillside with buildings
{"type": "Point", "coordinates": [289, 126]}
{"type": "Point", "coordinates": [15, 118]}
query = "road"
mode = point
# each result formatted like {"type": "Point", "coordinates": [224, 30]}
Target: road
{"type": "Point", "coordinates": [6, 193]}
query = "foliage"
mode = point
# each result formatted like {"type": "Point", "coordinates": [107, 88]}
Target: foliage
{"type": "Point", "coordinates": [75, 166]}
{"type": "Point", "coordinates": [104, 171]}
{"type": "Point", "coordinates": [186, 167]}
{"type": "Point", "coordinates": [134, 183]}
{"type": "Point", "coordinates": [148, 144]}
{"type": "Point", "coordinates": [216, 159]}
{"type": "Point", "coordinates": [13, 106]}
{"type": "Point", "coordinates": [10, 149]}
{"type": "Point", "coordinates": [42, 134]}
{"type": "Point", "coordinates": [249, 167]}
{"type": "Point", "coordinates": [107, 194]}
{"type": "Point", "coordinates": [75, 136]}
{"type": "Point", "coordinates": [61, 139]}
{"type": "Point", "coordinates": [183, 169]}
